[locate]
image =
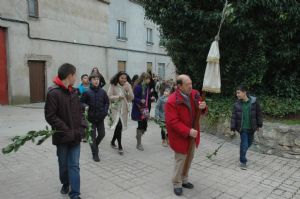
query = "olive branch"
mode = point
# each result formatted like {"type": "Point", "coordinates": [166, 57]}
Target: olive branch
{"type": "Point", "coordinates": [209, 156]}
{"type": "Point", "coordinates": [159, 122]}
{"type": "Point", "coordinates": [18, 141]}
{"type": "Point", "coordinates": [113, 105]}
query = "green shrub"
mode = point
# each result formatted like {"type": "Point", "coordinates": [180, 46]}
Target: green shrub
{"type": "Point", "coordinates": [273, 107]}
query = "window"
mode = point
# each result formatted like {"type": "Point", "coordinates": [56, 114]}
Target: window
{"type": "Point", "coordinates": [121, 30]}
{"type": "Point", "coordinates": [33, 8]}
{"type": "Point", "coordinates": [121, 66]}
{"type": "Point", "coordinates": [149, 36]}
{"type": "Point", "coordinates": [161, 70]}
{"type": "Point", "coordinates": [149, 66]}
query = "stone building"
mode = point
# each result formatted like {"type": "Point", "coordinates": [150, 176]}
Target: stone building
{"type": "Point", "coordinates": [37, 36]}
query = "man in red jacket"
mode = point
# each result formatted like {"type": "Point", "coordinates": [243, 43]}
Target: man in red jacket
{"type": "Point", "coordinates": [180, 111]}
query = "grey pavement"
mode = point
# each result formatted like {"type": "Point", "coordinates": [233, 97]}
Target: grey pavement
{"type": "Point", "coordinates": [32, 172]}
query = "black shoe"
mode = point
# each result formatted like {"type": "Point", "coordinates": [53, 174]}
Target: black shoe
{"type": "Point", "coordinates": [188, 185]}
{"type": "Point", "coordinates": [121, 151]}
{"type": "Point", "coordinates": [178, 191]}
{"type": "Point", "coordinates": [243, 166]}
{"type": "Point", "coordinates": [76, 197]}
{"type": "Point", "coordinates": [64, 189]}
{"type": "Point", "coordinates": [96, 158]}
{"type": "Point", "coordinates": [113, 145]}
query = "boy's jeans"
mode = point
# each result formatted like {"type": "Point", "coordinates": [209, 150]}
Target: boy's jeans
{"type": "Point", "coordinates": [247, 137]}
{"type": "Point", "coordinates": [68, 160]}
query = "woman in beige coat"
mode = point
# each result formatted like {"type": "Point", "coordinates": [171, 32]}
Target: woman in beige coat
{"type": "Point", "coordinates": [120, 94]}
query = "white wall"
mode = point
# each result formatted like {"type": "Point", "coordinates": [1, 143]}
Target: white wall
{"type": "Point", "coordinates": [136, 31]}
{"type": "Point", "coordinates": [69, 20]}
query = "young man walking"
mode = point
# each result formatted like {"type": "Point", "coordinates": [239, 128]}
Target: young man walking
{"type": "Point", "coordinates": [246, 119]}
{"type": "Point", "coordinates": [96, 99]}
{"type": "Point", "coordinates": [64, 113]}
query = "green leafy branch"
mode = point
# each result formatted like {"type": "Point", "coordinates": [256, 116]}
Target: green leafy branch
{"type": "Point", "coordinates": [18, 141]}
{"type": "Point", "coordinates": [88, 131]}
{"type": "Point", "coordinates": [209, 156]}
{"type": "Point", "coordinates": [159, 122]}
{"type": "Point", "coordinates": [113, 105]}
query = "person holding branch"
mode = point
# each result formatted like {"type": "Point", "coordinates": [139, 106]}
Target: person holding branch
{"type": "Point", "coordinates": [183, 110]}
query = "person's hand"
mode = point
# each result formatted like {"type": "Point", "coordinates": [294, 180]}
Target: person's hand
{"type": "Point", "coordinates": [193, 133]}
{"type": "Point", "coordinates": [152, 99]}
{"type": "Point", "coordinates": [126, 86]}
{"type": "Point", "coordinates": [121, 97]}
{"type": "Point", "coordinates": [143, 101]}
{"type": "Point", "coordinates": [202, 105]}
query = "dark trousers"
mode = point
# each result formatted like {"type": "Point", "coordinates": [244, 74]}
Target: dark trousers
{"type": "Point", "coordinates": [97, 135]}
{"type": "Point", "coordinates": [163, 134]}
{"type": "Point", "coordinates": [118, 134]}
{"type": "Point", "coordinates": [247, 137]}
{"type": "Point", "coordinates": [68, 161]}
{"type": "Point", "coordinates": [142, 125]}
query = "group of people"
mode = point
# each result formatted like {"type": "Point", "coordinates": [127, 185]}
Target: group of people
{"type": "Point", "coordinates": [178, 105]}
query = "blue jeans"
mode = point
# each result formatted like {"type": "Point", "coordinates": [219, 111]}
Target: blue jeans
{"type": "Point", "coordinates": [68, 161]}
{"type": "Point", "coordinates": [247, 137]}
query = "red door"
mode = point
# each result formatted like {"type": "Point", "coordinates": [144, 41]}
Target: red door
{"type": "Point", "coordinates": [3, 69]}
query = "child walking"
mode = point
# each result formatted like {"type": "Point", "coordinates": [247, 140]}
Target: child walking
{"type": "Point", "coordinates": [246, 119]}
{"type": "Point", "coordinates": [160, 114]}
{"type": "Point", "coordinates": [97, 101]}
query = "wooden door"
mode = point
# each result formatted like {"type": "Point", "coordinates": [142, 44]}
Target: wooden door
{"type": "Point", "coordinates": [121, 66]}
{"type": "Point", "coordinates": [3, 68]}
{"type": "Point", "coordinates": [37, 81]}
{"type": "Point", "coordinates": [149, 67]}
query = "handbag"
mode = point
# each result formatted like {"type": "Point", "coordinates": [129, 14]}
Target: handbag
{"type": "Point", "coordinates": [144, 110]}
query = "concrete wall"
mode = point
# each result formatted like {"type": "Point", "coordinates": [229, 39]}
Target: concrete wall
{"type": "Point", "coordinates": [74, 21]}
{"type": "Point", "coordinates": [136, 32]}
{"type": "Point", "coordinates": [82, 33]}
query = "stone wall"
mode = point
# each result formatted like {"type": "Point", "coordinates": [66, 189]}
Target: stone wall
{"type": "Point", "coordinates": [273, 138]}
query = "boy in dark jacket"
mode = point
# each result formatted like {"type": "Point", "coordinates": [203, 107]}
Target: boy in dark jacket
{"type": "Point", "coordinates": [63, 112]}
{"type": "Point", "coordinates": [96, 99]}
{"type": "Point", "coordinates": [246, 119]}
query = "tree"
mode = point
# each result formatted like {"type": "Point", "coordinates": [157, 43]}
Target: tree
{"type": "Point", "coordinates": [260, 41]}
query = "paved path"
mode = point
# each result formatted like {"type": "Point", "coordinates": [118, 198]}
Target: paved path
{"type": "Point", "coordinates": [32, 173]}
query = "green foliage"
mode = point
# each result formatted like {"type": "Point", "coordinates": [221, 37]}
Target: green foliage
{"type": "Point", "coordinates": [88, 131]}
{"type": "Point", "coordinates": [280, 107]}
{"type": "Point", "coordinates": [273, 107]}
{"type": "Point", "coordinates": [19, 141]}
{"type": "Point", "coordinates": [218, 108]}
{"type": "Point", "coordinates": [259, 46]}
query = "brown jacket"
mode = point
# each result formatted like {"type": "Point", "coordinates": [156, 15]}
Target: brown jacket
{"type": "Point", "coordinates": [64, 113]}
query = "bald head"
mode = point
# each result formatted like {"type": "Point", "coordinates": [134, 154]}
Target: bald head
{"type": "Point", "coordinates": [184, 83]}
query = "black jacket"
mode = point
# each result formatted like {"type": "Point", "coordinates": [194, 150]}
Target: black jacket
{"type": "Point", "coordinates": [64, 113]}
{"type": "Point", "coordinates": [255, 115]}
{"type": "Point", "coordinates": [97, 101]}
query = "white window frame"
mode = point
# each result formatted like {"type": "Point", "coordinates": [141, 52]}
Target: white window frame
{"type": "Point", "coordinates": [149, 36]}
{"type": "Point", "coordinates": [121, 32]}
